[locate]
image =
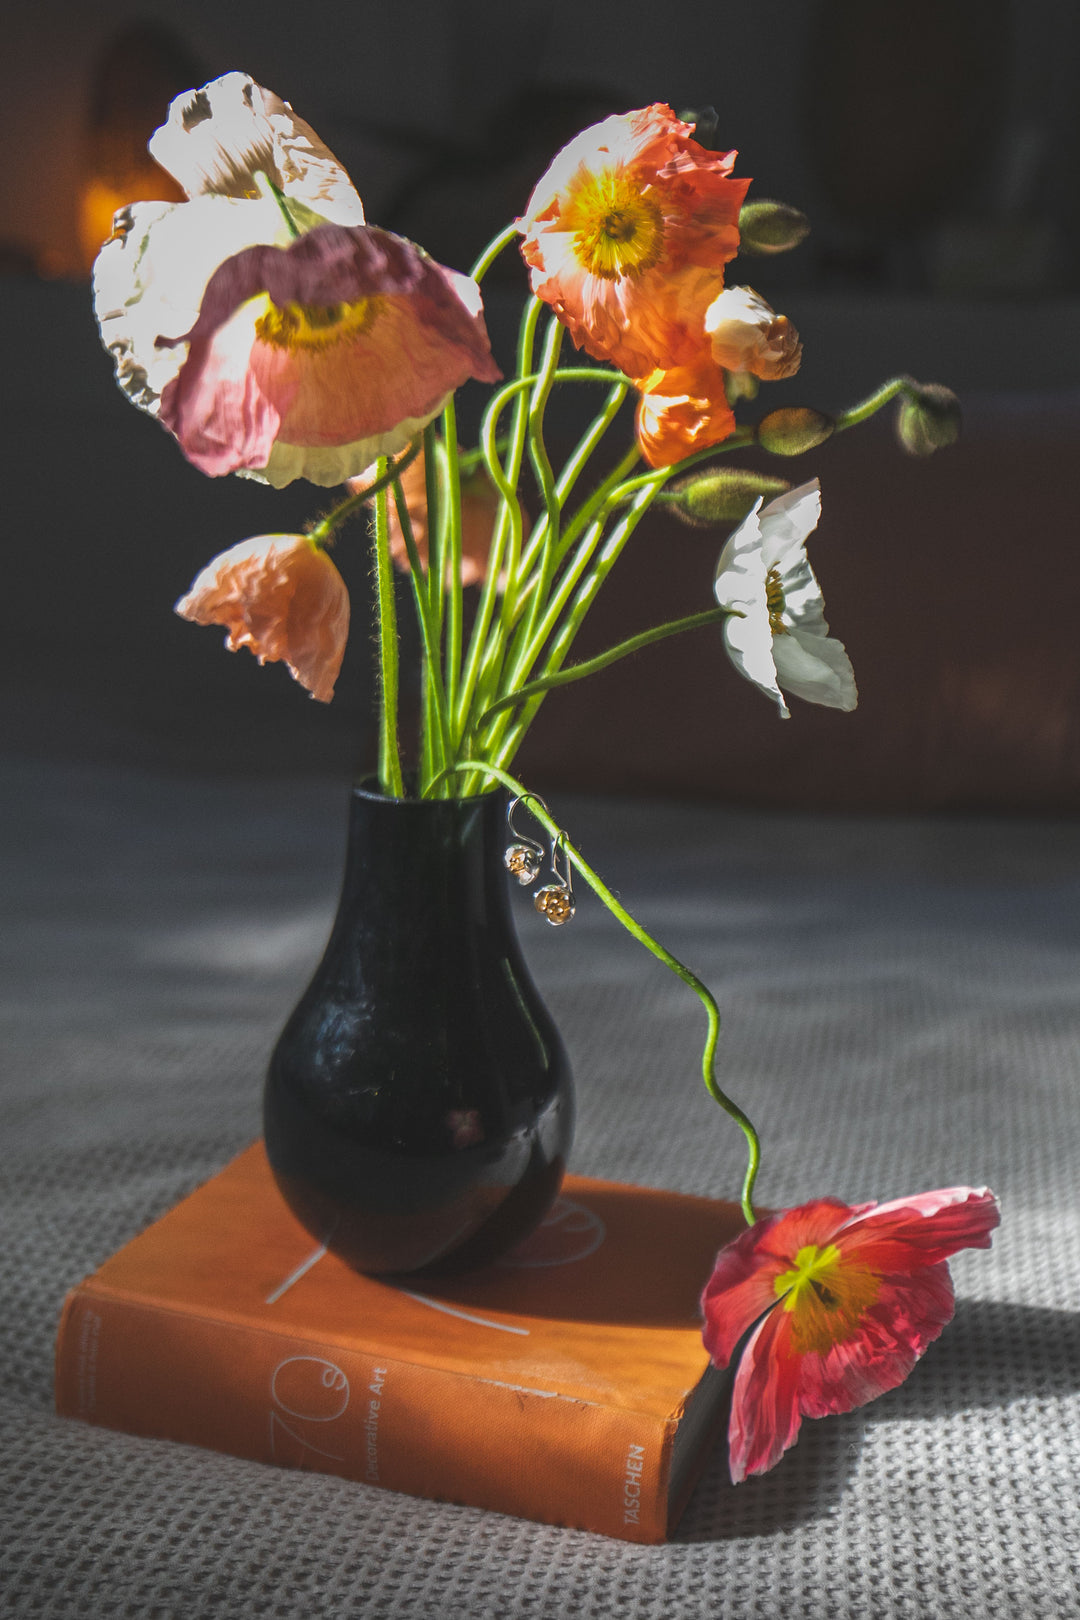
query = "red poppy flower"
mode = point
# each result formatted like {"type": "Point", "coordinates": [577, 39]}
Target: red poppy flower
{"type": "Point", "coordinates": [280, 596]}
{"type": "Point", "coordinates": [845, 1298]}
{"type": "Point", "coordinates": [627, 235]}
{"type": "Point", "coordinates": [315, 359]}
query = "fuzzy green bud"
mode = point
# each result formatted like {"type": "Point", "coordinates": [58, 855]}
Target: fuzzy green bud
{"type": "Point", "coordinates": [794, 430]}
{"type": "Point", "coordinates": [767, 227]}
{"type": "Point", "coordinates": [704, 499]}
{"type": "Point", "coordinates": [928, 419]}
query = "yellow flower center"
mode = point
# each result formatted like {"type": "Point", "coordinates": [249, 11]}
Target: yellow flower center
{"type": "Point", "coordinates": [618, 230]}
{"type": "Point", "coordinates": [774, 601]}
{"type": "Point", "coordinates": [826, 1296]}
{"type": "Point", "coordinates": [315, 326]}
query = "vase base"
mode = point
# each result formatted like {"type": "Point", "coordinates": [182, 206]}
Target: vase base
{"type": "Point", "coordinates": [427, 1242]}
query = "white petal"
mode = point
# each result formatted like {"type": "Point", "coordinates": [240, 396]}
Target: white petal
{"type": "Point", "coordinates": [815, 668]}
{"type": "Point", "coordinates": [149, 281]}
{"type": "Point", "coordinates": [750, 645]}
{"type": "Point", "coordinates": [216, 139]}
{"type": "Point", "coordinates": [787, 521]}
{"type": "Point", "coordinates": [739, 581]}
{"type": "Point", "coordinates": [328, 465]}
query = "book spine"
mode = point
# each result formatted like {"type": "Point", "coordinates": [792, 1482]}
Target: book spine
{"type": "Point", "coordinates": [426, 1431]}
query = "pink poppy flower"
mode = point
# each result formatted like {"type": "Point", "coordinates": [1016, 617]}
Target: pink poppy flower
{"type": "Point", "coordinates": [845, 1300]}
{"type": "Point", "coordinates": [313, 360]}
{"type": "Point", "coordinates": [280, 596]}
{"type": "Point", "coordinates": [627, 234]}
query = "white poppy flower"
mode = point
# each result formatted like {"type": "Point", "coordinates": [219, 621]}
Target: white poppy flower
{"type": "Point", "coordinates": [150, 276]}
{"type": "Point", "coordinates": [777, 635]}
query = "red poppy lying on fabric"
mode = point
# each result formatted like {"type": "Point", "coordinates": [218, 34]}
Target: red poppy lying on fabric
{"type": "Point", "coordinates": [846, 1299]}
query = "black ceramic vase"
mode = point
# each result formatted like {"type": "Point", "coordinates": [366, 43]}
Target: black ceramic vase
{"type": "Point", "coordinates": [419, 1104]}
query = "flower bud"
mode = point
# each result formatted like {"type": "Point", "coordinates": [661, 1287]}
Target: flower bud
{"type": "Point", "coordinates": [793, 430]}
{"type": "Point", "coordinates": [746, 334]}
{"type": "Point", "coordinates": [771, 227]}
{"type": "Point", "coordinates": [704, 499]}
{"type": "Point", "coordinates": [928, 419]}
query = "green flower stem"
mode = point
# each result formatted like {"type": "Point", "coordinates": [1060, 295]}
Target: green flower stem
{"type": "Point", "coordinates": [441, 756]}
{"type": "Point", "coordinates": [322, 531]}
{"type": "Point", "coordinates": [485, 650]}
{"type": "Point", "coordinates": [435, 512]}
{"type": "Point", "coordinates": [542, 464]}
{"type": "Point", "coordinates": [268, 189]}
{"type": "Point", "coordinates": [492, 251]}
{"type": "Point", "coordinates": [873, 403]}
{"type": "Point", "coordinates": [390, 779]}
{"type": "Point", "coordinates": [643, 937]}
{"type": "Point", "coordinates": [569, 623]}
{"type": "Point", "coordinates": [452, 567]}
{"type": "Point", "coordinates": [590, 666]}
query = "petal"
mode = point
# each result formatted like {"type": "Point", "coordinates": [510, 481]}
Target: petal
{"type": "Point", "coordinates": [741, 1284]}
{"type": "Point", "coordinates": [922, 1230]}
{"type": "Point", "coordinates": [747, 335]}
{"type": "Point", "coordinates": [280, 596]}
{"type": "Point", "coordinates": [816, 669]}
{"type": "Point", "coordinates": [908, 1315]}
{"type": "Point", "coordinates": [150, 277]}
{"type": "Point", "coordinates": [216, 139]}
{"type": "Point", "coordinates": [787, 521]}
{"type": "Point", "coordinates": [765, 1417]}
{"type": "Point", "coordinates": [681, 411]}
{"type": "Point", "coordinates": [238, 394]}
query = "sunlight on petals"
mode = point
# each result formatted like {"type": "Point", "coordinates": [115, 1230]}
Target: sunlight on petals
{"type": "Point", "coordinates": [624, 208]}
{"type": "Point", "coordinates": [681, 411]}
{"type": "Point", "coordinates": [747, 335]}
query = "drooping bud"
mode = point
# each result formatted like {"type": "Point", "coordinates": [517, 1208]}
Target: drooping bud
{"type": "Point", "coordinates": [928, 419]}
{"type": "Point", "coordinates": [793, 430]}
{"type": "Point", "coordinates": [708, 498]}
{"type": "Point", "coordinates": [767, 227]}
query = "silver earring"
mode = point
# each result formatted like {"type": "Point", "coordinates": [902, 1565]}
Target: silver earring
{"type": "Point", "coordinates": [555, 901]}
{"type": "Point", "coordinates": [524, 857]}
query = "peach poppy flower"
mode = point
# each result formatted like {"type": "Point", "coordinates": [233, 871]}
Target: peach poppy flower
{"type": "Point", "coordinates": [480, 505]}
{"type": "Point", "coordinates": [315, 359]}
{"type": "Point", "coordinates": [627, 234]}
{"type": "Point", "coordinates": [280, 596]}
{"type": "Point", "coordinates": [150, 276]}
{"type": "Point", "coordinates": [845, 1299]}
{"type": "Point", "coordinates": [682, 410]}
{"type": "Point", "coordinates": [745, 334]}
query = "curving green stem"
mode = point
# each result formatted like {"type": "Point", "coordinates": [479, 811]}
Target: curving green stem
{"type": "Point", "coordinates": [451, 569]}
{"type": "Point", "coordinates": [492, 251]}
{"type": "Point", "coordinates": [643, 937]}
{"type": "Point", "coordinates": [426, 617]}
{"type": "Point", "coordinates": [623, 649]}
{"type": "Point", "coordinates": [873, 403]}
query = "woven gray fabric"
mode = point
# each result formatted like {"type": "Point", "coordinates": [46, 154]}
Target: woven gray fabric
{"type": "Point", "coordinates": [902, 1011]}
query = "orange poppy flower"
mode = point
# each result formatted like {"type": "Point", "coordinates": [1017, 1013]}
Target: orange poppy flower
{"type": "Point", "coordinates": [627, 234]}
{"type": "Point", "coordinates": [280, 596]}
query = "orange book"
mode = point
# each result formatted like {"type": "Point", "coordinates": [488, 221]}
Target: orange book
{"type": "Point", "coordinates": [567, 1383]}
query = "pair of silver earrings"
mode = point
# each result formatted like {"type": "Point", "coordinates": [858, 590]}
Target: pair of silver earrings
{"type": "Point", "coordinates": [523, 860]}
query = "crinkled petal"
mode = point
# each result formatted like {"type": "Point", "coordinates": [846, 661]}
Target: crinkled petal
{"type": "Point", "coordinates": [923, 1229]}
{"type": "Point", "coordinates": [281, 597]}
{"type": "Point", "coordinates": [216, 139]}
{"type": "Point", "coordinates": [150, 277]}
{"type": "Point", "coordinates": [682, 411]}
{"type": "Point", "coordinates": [746, 334]}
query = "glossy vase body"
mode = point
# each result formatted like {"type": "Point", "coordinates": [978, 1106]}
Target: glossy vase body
{"type": "Point", "coordinates": [419, 1104]}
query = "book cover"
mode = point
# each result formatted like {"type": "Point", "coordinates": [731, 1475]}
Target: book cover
{"type": "Point", "coordinates": [567, 1383]}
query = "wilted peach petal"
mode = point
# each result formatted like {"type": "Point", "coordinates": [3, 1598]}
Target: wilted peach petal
{"type": "Point", "coordinates": [625, 207]}
{"type": "Point", "coordinates": [347, 338]}
{"type": "Point", "coordinates": [280, 596]}
{"type": "Point", "coordinates": [747, 335]}
{"type": "Point", "coordinates": [681, 411]}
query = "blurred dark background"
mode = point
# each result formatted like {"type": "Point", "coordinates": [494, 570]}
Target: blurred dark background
{"type": "Point", "coordinates": [936, 148]}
